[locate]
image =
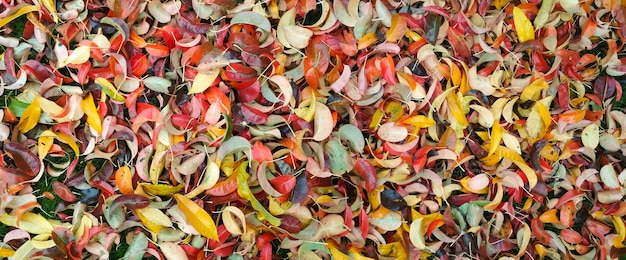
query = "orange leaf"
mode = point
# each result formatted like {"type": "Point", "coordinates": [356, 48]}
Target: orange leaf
{"type": "Point", "coordinates": [124, 180]}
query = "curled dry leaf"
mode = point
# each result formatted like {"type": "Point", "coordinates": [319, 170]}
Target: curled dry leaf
{"type": "Point", "coordinates": [312, 129]}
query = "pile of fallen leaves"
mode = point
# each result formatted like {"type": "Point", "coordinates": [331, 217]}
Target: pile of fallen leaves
{"type": "Point", "coordinates": [312, 129]}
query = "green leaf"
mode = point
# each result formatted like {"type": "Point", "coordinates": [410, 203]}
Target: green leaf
{"type": "Point", "coordinates": [157, 84]}
{"type": "Point", "coordinates": [137, 247]}
{"type": "Point", "coordinates": [338, 156]}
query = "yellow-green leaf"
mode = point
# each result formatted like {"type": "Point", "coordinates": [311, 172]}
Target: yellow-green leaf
{"type": "Point", "coordinates": [211, 176]}
{"type": "Point", "coordinates": [162, 189]}
{"type": "Point", "coordinates": [523, 26]}
{"type": "Point", "coordinates": [197, 217]}
{"type": "Point", "coordinates": [30, 117]}
{"type": "Point", "coordinates": [415, 234]}
{"type": "Point", "coordinates": [306, 110]}
{"type": "Point", "coordinates": [93, 118]}
{"type": "Point", "coordinates": [24, 10]}
{"type": "Point", "coordinates": [109, 89]}
{"type": "Point", "coordinates": [244, 192]}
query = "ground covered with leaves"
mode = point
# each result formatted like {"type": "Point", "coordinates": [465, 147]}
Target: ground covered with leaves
{"type": "Point", "coordinates": [422, 129]}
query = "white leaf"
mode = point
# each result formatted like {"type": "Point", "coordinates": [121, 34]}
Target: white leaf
{"type": "Point", "coordinates": [391, 133]}
{"type": "Point", "coordinates": [591, 136]}
{"type": "Point", "coordinates": [323, 122]}
{"type": "Point", "coordinates": [172, 251]}
{"type": "Point", "coordinates": [609, 176]}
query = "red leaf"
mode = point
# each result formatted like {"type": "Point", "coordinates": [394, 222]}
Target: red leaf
{"type": "Point", "coordinates": [291, 224]}
{"type": "Point", "coordinates": [13, 176]}
{"type": "Point", "coordinates": [224, 187]}
{"type": "Point", "coordinates": [24, 159]}
{"type": "Point", "coordinates": [261, 153]}
{"type": "Point", "coordinates": [284, 183]}
{"type": "Point", "coordinates": [366, 170]}
{"type": "Point", "coordinates": [252, 115]}
{"type": "Point", "coordinates": [63, 191]}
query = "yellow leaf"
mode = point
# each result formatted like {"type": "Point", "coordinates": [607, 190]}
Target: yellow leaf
{"type": "Point", "coordinates": [49, 107]}
{"type": "Point", "coordinates": [534, 125]}
{"type": "Point", "coordinates": [493, 204]}
{"type": "Point", "coordinates": [197, 217]}
{"type": "Point", "coordinates": [29, 222]}
{"type": "Point", "coordinates": [419, 121]}
{"type": "Point", "coordinates": [6, 252]}
{"type": "Point", "coordinates": [397, 29]}
{"type": "Point", "coordinates": [162, 189]}
{"type": "Point", "coordinates": [93, 118]}
{"type": "Point", "coordinates": [202, 81]}
{"type": "Point", "coordinates": [519, 161]}
{"type": "Point", "coordinates": [42, 241]}
{"type": "Point", "coordinates": [69, 141]}
{"type": "Point", "coordinates": [367, 40]}
{"type": "Point", "coordinates": [304, 112]}
{"type": "Point", "coordinates": [26, 9]}
{"type": "Point", "coordinates": [153, 218]}
{"type": "Point", "coordinates": [533, 90]}
{"type": "Point", "coordinates": [500, 3]}
{"type": "Point", "coordinates": [44, 143]}
{"type": "Point", "coordinates": [523, 26]}
{"type": "Point", "coordinates": [621, 231]}
{"type": "Point", "coordinates": [356, 254]}
{"type": "Point", "coordinates": [335, 252]}
{"type": "Point", "coordinates": [376, 119]}
{"type": "Point", "coordinates": [549, 216]}
{"type": "Point", "coordinates": [454, 107]}
{"type": "Point", "coordinates": [496, 137]}
{"type": "Point", "coordinates": [30, 117]}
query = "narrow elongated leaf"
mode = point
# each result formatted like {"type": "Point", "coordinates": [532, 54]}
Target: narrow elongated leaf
{"type": "Point", "coordinates": [93, 118]}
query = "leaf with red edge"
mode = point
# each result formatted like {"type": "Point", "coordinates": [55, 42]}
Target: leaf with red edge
{"type": "Point", "coordinates": [253, 115]}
